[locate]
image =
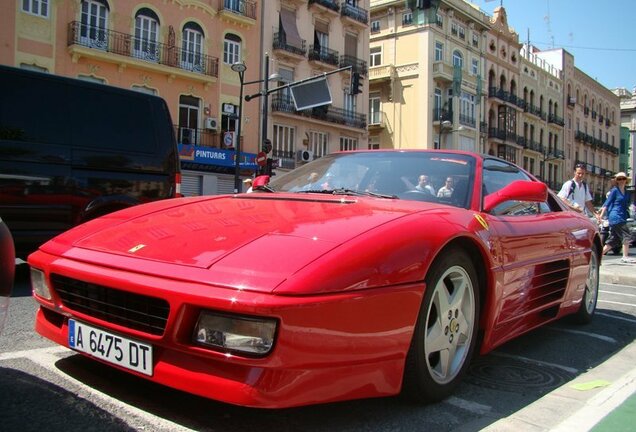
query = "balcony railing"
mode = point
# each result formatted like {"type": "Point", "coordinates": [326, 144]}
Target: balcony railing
{"type": "Point", "coordinates": [245, 8]}
{"type": "Point", "coordinates": [354, 12]}
{"type": "Point", "coordinates": [357, 65]}
{"type": "Point", "coordinates": [286, 159]}
{"type": "Point", "coordinates": [440, 114]}
{"type": "Point", "coordinates": [324, 55]}
{"type": "Point", "coordinates": [280, 42]}
{"type": "Point", "coordinates": [327, 113]}
{"type": "Point", "coordinates": [201, 137]}
{"type": "Point", "coordinates": [553, 118]}
{"type": "Point", "coordinates": [141, 49]}
{"type": "Point", "coordinates": [329, 4]}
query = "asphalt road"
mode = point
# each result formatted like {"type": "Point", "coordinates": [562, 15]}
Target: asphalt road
{"type": "Point", "coordinates": [47, 387]}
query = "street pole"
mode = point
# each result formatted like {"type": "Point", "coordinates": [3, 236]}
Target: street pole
{"type": "Point", "coordinates": [240, 69]}
{"type": "Point", "coordinates": [266, 169]}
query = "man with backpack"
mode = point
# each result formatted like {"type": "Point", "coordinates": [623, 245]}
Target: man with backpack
{"type": "Point", "coordinates": [575, 192]}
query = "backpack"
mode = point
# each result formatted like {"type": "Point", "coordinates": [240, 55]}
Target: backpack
{"type": "Point", "coordinates": [573, 186]}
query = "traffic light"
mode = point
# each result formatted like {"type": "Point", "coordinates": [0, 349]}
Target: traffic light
{"type": "Point", "coordinates": [356, 83]}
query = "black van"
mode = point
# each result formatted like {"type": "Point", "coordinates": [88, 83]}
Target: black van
{"type": "Point", "coordinates": [72, 150]}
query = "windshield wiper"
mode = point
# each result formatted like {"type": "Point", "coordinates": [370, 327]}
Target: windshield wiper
{"type": "Point", "coordinates": [345, 191]}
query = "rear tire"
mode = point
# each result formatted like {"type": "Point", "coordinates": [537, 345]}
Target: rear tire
{"type": "Point", "coordinates": [446, 330]}
{"type": "Point", "coordinates": [590, 296]}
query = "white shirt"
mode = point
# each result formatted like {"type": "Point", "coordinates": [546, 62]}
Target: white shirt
{"type": "Point", "coordinates": [580, 196]}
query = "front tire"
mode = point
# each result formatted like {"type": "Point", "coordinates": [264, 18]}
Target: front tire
{"type": "Point", "coordinates": [590, 296]}
{"type": "Point", "coordinates": [446, 330]}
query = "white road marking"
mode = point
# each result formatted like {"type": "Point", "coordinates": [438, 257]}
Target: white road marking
{"type": "Point", "coordinates": [539, 362]}
{"type": "Point", "coordinates": [617, 293]}
{"type": "Point", "coordinates": [618, 303]}
{"type": "Point", "coordinates": [616, 317]}
{"type": "Point", "coordinates": [46, 358]}
{"type": "Point", "coordinates": [580, 332]}
{"type": "Point", "coordinates": [473, 407]}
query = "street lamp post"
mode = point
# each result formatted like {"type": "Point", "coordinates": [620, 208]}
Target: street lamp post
{"type": "Point", "coordinates": [240, 69]}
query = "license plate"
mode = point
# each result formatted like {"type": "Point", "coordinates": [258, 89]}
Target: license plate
{"type": "Point", "coordinates": [110, 347]}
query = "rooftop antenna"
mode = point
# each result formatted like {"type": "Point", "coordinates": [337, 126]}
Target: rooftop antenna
{"type": "Point", "coordinates": [547, 21]}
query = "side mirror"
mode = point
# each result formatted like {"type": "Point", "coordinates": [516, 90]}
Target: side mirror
{"type": "Point", "coordinates": [260, 182]}
{"type": "Point", "coordinates": [518, 190]}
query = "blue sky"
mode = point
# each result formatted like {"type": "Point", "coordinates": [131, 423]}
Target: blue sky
{"type": "Point", "coordinates": [600, 33]}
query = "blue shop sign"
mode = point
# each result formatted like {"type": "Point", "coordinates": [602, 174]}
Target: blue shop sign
{"type": "Point", "coordinates": [216, 156]}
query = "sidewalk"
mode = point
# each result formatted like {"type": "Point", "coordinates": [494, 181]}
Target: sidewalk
{"type": "Point", "coordinates": [605, 400]}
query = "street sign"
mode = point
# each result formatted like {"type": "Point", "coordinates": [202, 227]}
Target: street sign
{"type": "Point", "coordinates": [261, 159]}
{"type": "Point", "coordinates": [311, 94]}
{"type": "Point", "coordinates": [228, 139]}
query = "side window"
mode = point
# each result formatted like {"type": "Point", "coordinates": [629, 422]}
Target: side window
{"type": "Point", "coordinates": [498, 174]}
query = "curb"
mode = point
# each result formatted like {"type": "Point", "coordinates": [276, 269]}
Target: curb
{"type": "Point", "coordinates": [584, 408]}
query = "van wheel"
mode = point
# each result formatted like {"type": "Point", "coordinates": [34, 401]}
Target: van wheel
{"type": "Point", "coordinates": [446, 330]}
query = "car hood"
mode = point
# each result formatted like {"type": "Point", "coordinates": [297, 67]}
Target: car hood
{"type": "Point", "coordinates": [269, 236]}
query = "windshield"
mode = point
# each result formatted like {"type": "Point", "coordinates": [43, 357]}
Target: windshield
{"type": "Point", "coordinates": [416, 175]}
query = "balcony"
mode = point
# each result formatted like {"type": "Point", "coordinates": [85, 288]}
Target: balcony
{"type": "Point", "coordinates": [443, 71]}
{"type": "Point", "coordinates": [282, 47]}
{"type": "Point", "coordinates": [330, 7]}
{"type": "Point", "coordinates": [326, 113]}
{"type": "Point", "coordinates": [354, 14]}
{"type": "Point", "coordinates": [201, 137]}
{"type": "Point", "coordinates": [357, 65]}
{"type": "Point", "coordinates": [241, 12]}
{"type": "Point", "coordinates": [286, 159]}
{"type": "Point", "coordinates": [553, 118]}
{"type": "Point", "coordinates": [442, 115]}
{"type": "Point", "coordinates": [381, 73]}
{"type": "Point", "coordinates": [94, 42]}
{"type": "Point", "coordinates": [323, 55]}
{"type": "Point", "coordinates": [586, 111]}
{"type": "Point", "coordinates": [503, 135]}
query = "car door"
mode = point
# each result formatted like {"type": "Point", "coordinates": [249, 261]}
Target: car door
{"type": "Point", "coordinates": [531, 255]}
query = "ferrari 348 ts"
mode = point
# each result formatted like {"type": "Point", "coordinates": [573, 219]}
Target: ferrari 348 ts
{"type": "Point", "coordinates": [344, 278]}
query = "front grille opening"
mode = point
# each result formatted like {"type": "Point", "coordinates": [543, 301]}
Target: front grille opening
{"type": "Point", "coordinates": [134, 311]}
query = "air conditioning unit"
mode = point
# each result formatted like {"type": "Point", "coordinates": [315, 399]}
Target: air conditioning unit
{"type": "Point", "coordinates": [211, 123]}
{"type": "Point", "coordinates": [305, 155]}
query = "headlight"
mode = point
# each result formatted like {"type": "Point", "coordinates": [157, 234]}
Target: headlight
{"type": "Point", "coordinates": [252, 336]}
{"type": "Point", "coordinates": [39, 285]}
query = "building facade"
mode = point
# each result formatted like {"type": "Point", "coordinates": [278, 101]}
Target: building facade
{"type": "Point", "coordinates": [627, 155]}
{"type": "Point", "coordinates": [303, 39]}
{"type": "Point", "coordinates": [181, 51]}
{"type": "Point", "coordinates": [425, 74]}
{"type": "Point", "coordinates": [591, 123]}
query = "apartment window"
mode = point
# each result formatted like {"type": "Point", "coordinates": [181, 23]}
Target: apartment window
{"type": "Point", "coordinates": [458, 59]}
{"type": "Point", "coordinates": [374, 109]}
{"type": "Point", "coordinates": [375, 26]}
{"type": "Point", "coordinates": [283, 143]}
{"type": "Point", "coordinates": [319, 143]}
{"type": "Point", "coordinates": [439, 51]}
{"type": "Point", "coordinates": [475, 40]}
{"type": "Point", "coordinates": [349, 103]}
{"type": "Point", "coordinates": [467, 107]}
{"type": "Point", "coordinates": [94, 19]}
{"type": "Point", "coordinates": [375, 56]}
{"type": "Point", "coordinates": [454, 28]}
{"type": "Point", "coordinates": [146, 31]}
{"type": "Point", "coordinates": [438, 20]}
{"type": "Point", "coordinates": [192, 47]}
{"type": "Point", "coordinates": [437, 104]}
{"type": "Point", "coordinates": [474, 67]}
{"type": "Point", "coordinates": [462, 32]}
{"type": "Point", "coordinates": [374, 142]}
{"type": "Point", "coordinates": [36, 7]}
{"type": "Point", "coordinates": [231, 49]}
{"type": "Point", "coordinates": [407, 18]}
{"type": "Point", "coordinates": [347, 143]}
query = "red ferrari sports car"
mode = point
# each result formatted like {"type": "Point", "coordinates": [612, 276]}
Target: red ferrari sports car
{"type": "Point", "coordinates": [345, 278]}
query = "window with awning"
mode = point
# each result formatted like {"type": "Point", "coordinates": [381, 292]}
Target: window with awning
{"type": "Point", "coordinates": [288, 24]}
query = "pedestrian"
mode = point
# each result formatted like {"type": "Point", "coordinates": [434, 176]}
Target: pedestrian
{"type": "Point", "coordinates": [617, 208]}
{"type": "Point", "coordinates": [248, 184]}
{"type": "Point", "coordinates": [575, 192]}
